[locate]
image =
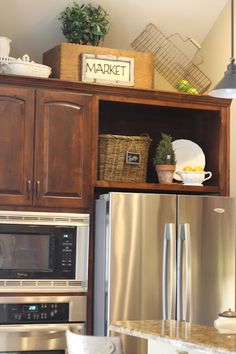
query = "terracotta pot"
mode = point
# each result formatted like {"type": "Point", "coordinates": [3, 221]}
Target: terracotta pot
{"type": "Point", "coordinates": [165, 173]}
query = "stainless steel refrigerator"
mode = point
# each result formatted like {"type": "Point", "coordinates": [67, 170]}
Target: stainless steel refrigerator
{"type": "Point", "coordinates": [162, 257]}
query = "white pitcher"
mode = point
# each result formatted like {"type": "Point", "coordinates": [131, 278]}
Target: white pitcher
{"type": "Point", "coordinates": [4, 46]}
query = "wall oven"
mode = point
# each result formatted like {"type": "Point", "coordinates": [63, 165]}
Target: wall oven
{"type": "Point", "coordinates": [43, 251]}
{"type": "Point", "coordinates": [37, 325]}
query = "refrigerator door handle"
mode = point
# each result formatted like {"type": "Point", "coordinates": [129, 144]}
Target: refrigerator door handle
{"type": "Point", "coordinates": [169, 267]}
{"type": "Point", "coordinates": [181, 238]}
{"type": "Point", "coordinates": [184, 295]}
{"type": "Point", "coordinates": [188, 272]}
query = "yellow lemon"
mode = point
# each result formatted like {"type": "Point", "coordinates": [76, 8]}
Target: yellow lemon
{"type": "Point", "coordinates": [187, 168]}
{"type": "Point", "coordinates": [198, 168]}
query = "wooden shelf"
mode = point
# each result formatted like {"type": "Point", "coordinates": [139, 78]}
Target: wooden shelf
{"type": "Point", "coordinates": [204, 124]}
{"type": "Point", "coordinates": [173, 187]}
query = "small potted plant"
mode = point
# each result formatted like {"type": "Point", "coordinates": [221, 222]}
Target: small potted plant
{"type": "Point", "coordinates": [165, 160]}
{"type": "Point", "coordinates": [84, 24]}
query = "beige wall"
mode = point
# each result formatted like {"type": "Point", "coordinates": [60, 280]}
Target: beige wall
{"type": "Point", "coordinates": [216, 51]}
{"type": "Point", "coordinates": [34, 28]}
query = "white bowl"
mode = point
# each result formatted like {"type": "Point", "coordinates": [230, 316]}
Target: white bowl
{"type": "Point", "coordinates": [6, 59]}
{"type": "Point", "coordinates": [194, 178]}
{"type": "Point", "coordinates": [24, 67]}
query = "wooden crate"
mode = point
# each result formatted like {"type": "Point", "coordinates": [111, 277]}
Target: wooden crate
{"type": "Point", "coordinates": [65, 61]}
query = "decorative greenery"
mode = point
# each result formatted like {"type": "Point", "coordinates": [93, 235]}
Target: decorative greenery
{"type": "Point", "coordinates": [84, 24]}
{"type": "Point", "coordinates": [165, 154]}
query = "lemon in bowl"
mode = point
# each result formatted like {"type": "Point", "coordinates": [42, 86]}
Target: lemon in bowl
{"type": "Point", "coordinates": [187, 168]}
{"type": "Point", "coordinates": [198, 168]}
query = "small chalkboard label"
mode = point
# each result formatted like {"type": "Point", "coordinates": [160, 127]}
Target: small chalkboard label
{"type": "Point", "coordinates": [133, 158]}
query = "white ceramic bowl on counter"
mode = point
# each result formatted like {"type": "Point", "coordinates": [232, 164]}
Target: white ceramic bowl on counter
{"type": "Point", "coordinates": [24, 67]}
{"type": "Point", "coordinates": [226, 322]}
{"type": "Point", "coordinates": [194, 178]}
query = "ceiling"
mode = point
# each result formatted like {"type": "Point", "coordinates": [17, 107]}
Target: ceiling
{"type": "Point", "coordinates": [34, 28]}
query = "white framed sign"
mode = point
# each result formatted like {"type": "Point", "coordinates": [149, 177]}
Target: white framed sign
{"type": "Point", "coordinates": [107, 69]}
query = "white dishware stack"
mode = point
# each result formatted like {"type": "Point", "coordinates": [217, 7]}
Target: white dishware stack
{"type": "Point", "coordinates": [226, 322]}
{"type": "Point", "coordinates": [19, 66]}
{"type": "Point", "coordinates": [4, 46]}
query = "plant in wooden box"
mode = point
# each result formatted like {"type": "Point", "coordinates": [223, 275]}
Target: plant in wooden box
{"type": "Point", "coordinates": [165, 160]}
{"type": "Point", "coordinates": [84, 24]}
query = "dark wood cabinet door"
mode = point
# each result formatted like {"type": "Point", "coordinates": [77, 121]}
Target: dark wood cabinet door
{"type": "Point", "coordinates": [62, 150]}
{"type": "Point", "coordinates": [16, 145]}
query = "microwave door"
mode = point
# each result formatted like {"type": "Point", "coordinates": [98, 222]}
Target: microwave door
{"type": "Point", "coordinates": [26, 252]}
{"type": "Point", "coordinates": [43, 251]}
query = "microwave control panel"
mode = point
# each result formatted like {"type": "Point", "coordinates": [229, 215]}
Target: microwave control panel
{"type": "Point", "coordinates": [34, 313]}
{"type": "Point", "coordinates": [67, 252]}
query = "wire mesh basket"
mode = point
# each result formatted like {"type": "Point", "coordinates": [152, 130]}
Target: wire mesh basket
{"type": "Point", "coordinates": [170, 61]}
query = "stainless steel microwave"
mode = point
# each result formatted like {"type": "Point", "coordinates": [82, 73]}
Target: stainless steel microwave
{"type": "Point", "coordinates": [42, 251]}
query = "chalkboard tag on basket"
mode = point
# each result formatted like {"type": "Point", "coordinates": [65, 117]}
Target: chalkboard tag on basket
{"type": "Point", "coordinates": [133, 158]}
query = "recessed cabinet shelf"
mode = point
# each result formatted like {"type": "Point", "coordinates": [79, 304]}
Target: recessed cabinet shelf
{"type": "Point", "coordinates": [174, 187]}
{"type": "Point", "coordinates": [204, 120]}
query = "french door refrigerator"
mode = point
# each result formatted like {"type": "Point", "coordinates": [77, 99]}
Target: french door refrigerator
{"type": "Point", "coordinates": [162, 257]}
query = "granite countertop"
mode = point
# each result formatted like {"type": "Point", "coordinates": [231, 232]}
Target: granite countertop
{"type": "Point", "coordinates": [190, 336]}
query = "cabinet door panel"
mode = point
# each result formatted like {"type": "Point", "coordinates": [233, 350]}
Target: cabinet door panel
{"type": "Point", "coordinates": [62, 161]}
{"type": "Point", "coordinates": [16, 145]}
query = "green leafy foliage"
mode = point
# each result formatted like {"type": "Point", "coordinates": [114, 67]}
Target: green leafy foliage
{"type": "Point", "coordinates": [84, 24]}
{"type": "Point", "coordinates": [165, 154]}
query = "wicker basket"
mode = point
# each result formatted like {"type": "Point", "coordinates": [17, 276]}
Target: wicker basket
{"type": "Point", "coordinates": [123, 158]}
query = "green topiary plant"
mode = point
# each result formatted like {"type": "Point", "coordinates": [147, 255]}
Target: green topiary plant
{"type": "Point", "coordinates": [165, 154]}
{"type": "Point", "coordinates": [84, 24]}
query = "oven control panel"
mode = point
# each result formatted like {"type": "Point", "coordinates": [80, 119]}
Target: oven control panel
{"type": "Point", "coordinates": [34, 313]}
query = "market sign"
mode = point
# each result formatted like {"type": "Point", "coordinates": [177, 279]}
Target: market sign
{"type": "Point", "coordinates": [107, 69]}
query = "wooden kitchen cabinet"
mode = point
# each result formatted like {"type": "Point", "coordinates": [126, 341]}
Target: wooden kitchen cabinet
{"type": "Point", "coordinates": [201, 119]}
{"type": "Point", "coordinates": [62, 172]}
{"type": "Point", "coordinates": [16, 145]}
{"type": "Point", "coordinates": [54, 126]}
{"type": "Point", "coordinates": [45, 148]}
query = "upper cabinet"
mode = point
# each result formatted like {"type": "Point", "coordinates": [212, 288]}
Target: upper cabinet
{"type": "Point", "coordinates": [45, 140]}
{"type": "Point", "coordinates": [49, 139]}
{"type": "Point", "coordinates": [16, 145]}
{"type": "Point", "coordinates": [62, 173]}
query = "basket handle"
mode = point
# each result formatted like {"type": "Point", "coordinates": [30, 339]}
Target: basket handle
{"type": "Point", "coordinates": [145, 135]}
{"type": "Point", "coordinates": [191, 40]}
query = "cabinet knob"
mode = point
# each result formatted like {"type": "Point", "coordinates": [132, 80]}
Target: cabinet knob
{"type": "Point", "coordinates": [37, 189]}
{"type": "Point", "coordinates": [29, 188]}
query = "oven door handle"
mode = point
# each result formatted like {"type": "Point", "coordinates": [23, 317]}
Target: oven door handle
{"type": "Point", "coordinates": [55, 327]}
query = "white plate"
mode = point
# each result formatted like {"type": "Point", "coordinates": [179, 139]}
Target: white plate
{"type": "Point", "coordinates": [187, 153]}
